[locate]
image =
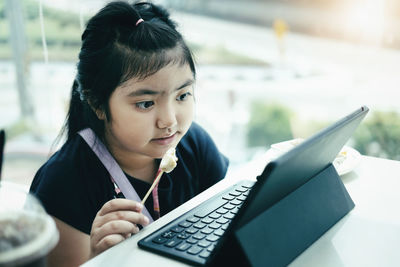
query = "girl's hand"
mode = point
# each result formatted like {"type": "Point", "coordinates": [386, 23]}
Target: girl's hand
{"type": "Point", "coordinates": [115, 221]}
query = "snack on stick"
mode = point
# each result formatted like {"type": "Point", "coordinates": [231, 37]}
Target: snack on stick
{"type": "Point", "coordinates": [168, 163]}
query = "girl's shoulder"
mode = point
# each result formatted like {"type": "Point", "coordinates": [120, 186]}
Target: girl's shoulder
{"type": "Point", "coordinates": [196, 137]}
{"type": "Point", "coordinates": [198, 144]}
{"type": "Point", "coordinates": [73, 158]}
{"type": "Point", "coordinates": [198, 153]}
{"type": "Point", "coordinates": [73, 177]}
{"type": "Point", "coordinates": [70, 153]}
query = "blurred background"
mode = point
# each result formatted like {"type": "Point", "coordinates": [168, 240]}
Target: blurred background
{"type": "Point", "coordinates": [268, 71]}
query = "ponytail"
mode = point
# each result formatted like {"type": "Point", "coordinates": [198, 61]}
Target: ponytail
{"type": "Point", "coordinates": [80, 115]}
{"type": "Point", "coordinates": [74, 117]}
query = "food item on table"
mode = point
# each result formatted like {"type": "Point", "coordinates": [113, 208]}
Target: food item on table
{"type": "Point", "coordinates": [341, 157]}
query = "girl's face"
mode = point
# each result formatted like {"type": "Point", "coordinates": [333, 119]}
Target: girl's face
{"type": "Point", "coordinates": [149, 116]}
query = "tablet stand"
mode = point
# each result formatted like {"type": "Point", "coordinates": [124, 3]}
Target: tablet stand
{"type": "Point", "coordinates": [282, 232]}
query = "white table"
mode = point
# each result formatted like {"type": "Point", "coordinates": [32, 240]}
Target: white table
{"type": "Point", "coordinates": [368, 236]}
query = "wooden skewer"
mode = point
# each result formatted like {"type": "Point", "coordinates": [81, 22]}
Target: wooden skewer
{"type": "Point", "coordinates": [152, 186]}
{"type": "Point", "coordinates": [168, 163]}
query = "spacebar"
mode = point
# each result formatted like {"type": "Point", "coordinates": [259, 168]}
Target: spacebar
{"type": "Point", "coordinates": [206, 208]}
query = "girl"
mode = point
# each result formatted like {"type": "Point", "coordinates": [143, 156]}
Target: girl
{"type": "Point", "coordinates": [134, 93]}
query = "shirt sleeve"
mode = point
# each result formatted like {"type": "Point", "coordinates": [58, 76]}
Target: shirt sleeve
{"type": "Point", "coordinates": [70, 187]}
{"type": "Point", "coordinates": [59, 195]}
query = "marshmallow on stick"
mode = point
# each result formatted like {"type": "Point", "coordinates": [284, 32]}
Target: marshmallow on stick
{"type": "Point", "coordinates": [168, 163]}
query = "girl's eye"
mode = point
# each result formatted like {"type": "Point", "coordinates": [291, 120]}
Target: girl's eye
{"type": "Point", "coordinates": [184, 96]}
{"type": "Point", "coordinates": [144, 104]}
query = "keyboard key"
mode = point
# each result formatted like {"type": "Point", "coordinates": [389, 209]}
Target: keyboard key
{"type": "Point", "coordinates": [235, 210]}
{"type": "Point", "coordinates": [229, 206]}
{"type": "Point", "coordinates": [204, 243]}
{"type": "Point", "coordinates": [193, 219]}
{"type": "Point", "coordinates": [241, 198]}
{"type": "Point", "coordinates": [192, 230]}
{"type": "Point", "coordinates": [199, 225]}
{"type": "Point", "coordinates": [183, 247]}
{"type": "Point", "coordinates": [168, 234]}
{"type": "Point", "coordinates": [207, 231]}
{"type": "Point", "coordinates": [214, 225]}
{"type": "Point", "coordinates": [241, 189]}
{"type": "Point", "coordinates": [219, 232]}
{"type": "Point", "coordinates": [222, 211]}
{"type": "Point", "coordinates": [236, 202]}
{"type": "Point", "coordinates": [183, 235]}
{"type": "Point", "coordinates": [199, 236]}
{"type": "Point", "coordinates": [192, 240]}
{"type": "Point", "coordinates": [194, 250]}
{"type": "Point", "coordinates": [229, 216]}
{"type": "Point", "coordinates": [160, 240]}
{"type": "Point", "coordinates": [235, 193]}
{"type": "Point", "coordinates": [212, 238]}
{"type": "Point", "coordinates": [222, 220]}
{"type": "Point", "coordinates": [204, 254]}
{"type": "Point", "coordinates": [210, 248]}
{"type": "Point", "coordinates": [173, 243]}
{"type": "Point", "coordinates": [185, 224]}
{"type": "Point", "coordinates": [214, 215]}
{"type": "Point", "coordinates": [177, 229]}
{"type": "Point", "coordinates": [207, 220]}
{"type": "Point", "coordinates": [228, 197]}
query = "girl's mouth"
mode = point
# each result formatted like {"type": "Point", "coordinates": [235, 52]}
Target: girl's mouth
{"type": "Point", "coordinates": [165, 140]}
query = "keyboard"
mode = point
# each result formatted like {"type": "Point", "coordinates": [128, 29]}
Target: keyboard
{"type": "Point", "coordinates": [193, 236]}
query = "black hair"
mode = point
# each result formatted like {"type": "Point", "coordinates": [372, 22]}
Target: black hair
{"type": "Point", "coordinates": [116, 48]}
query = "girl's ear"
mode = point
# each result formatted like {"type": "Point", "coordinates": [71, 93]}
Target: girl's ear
{"type": "Point", "coordinates": [100, 114]}
{"type": "Point", "coordinates": [98, 111]}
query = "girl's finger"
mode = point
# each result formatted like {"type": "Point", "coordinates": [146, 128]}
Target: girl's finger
{"type": "Point", "coordinates": [130, 216]}
{"type": "Point", "coordinates": [107, 242]}
{"type": "Point", "coordinates": [127, 236]}
{"type": "Point", "coordinates": [113, 227]}
{"type": "Point", "coordinates": [120, 204]}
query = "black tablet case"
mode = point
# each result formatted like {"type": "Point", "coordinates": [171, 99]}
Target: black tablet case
{"type": "Point", "coordinates": [294, 218]}
{"type": "Point", "coordinates": [281, 233]}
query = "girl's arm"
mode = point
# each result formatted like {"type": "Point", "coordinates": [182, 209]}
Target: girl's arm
{"type": "Point", "coordinates": [73, 249]}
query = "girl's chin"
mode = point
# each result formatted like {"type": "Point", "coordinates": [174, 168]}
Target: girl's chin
{"type": "Point", "coordinates": [158, 155]}
{"type": "Point", "coordinates": [161, 151]}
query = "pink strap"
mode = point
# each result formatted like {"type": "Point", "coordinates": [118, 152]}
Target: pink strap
{"type": "Point", "coordinates": [115, 171]}
{"type": "Point", "coordinates": [156, 203]}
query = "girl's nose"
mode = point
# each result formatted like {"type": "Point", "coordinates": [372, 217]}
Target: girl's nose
{"type": "Point", "coordinates": [166, 117]}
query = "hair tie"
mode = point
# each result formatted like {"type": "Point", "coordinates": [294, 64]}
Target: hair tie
{"type": "Point", "coordinates": [80, 92]}
{"type": "Point", "coordinates": [139, 21]}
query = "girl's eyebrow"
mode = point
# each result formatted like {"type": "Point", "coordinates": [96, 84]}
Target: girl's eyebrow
{"type": "Point", "coordinates": [144, 91]}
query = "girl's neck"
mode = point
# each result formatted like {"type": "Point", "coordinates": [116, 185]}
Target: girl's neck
{"type": "Point", "coordinates": [146, 173]}
{"type": "Point", "coordinates": [141, 167]}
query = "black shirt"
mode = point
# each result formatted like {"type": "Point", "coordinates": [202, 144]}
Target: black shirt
{"type": "Point", "coordinates": [73, 184]}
